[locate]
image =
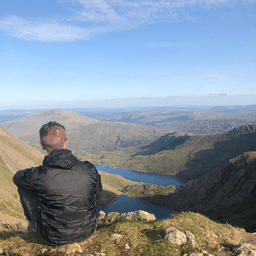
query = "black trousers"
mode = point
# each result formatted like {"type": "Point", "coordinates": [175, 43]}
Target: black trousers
{"type": "Point", "coordinates": [29, 202]}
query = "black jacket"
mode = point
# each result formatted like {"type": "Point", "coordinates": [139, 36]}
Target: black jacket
{"type": "Point", "coordinates": [67, 190]}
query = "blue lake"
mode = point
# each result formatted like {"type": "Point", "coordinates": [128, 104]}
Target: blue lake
{"type": "Point", "coordinates": [163, 180]}
{"type": "Point", "coordinates": [129, 204]}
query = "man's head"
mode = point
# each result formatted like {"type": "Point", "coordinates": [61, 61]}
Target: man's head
{"type": "Point", "coordinates": [53, 136]}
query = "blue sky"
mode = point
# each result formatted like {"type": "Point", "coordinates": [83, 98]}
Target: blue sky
{"type": "Point", "coordinates": [77, 53]}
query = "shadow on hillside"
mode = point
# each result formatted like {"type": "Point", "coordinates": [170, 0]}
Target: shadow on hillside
{"type": "Point", "coordinates": [204, 161]}
{"type": "Point", "coordinates": [164, 143]}
{"type": "Point", "coordinates": [4, 235]}
{"type": "Point", "coordinates": [106, 198]}
{"type": "Point", "coordinates": [32, 238]}
{"type": "Point", "coordinates": [154, 235]}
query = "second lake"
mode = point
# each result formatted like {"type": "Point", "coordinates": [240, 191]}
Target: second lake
{"type": "Point", "coordinates": [129, 204]}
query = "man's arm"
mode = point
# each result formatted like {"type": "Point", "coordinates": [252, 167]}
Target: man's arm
{"type": "Point", "coordinates": [23, 179]}
{"type": "Point", "coordinates": [98, 186]}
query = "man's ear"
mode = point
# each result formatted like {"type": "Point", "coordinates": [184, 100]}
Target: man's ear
{"type": "Point", "coordinates": [65, 144]}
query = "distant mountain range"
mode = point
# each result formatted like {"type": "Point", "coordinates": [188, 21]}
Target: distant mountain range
{"type": "Point", "coordinates": [193, 119]}
{"type": "Point", "coordinates": [83, 133]}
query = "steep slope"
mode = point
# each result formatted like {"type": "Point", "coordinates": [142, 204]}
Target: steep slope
{"type": "Point", "coordinates": [227, 194]}
{"type": "Point", "coordinates": [83, 132]}
{"type": "Point", "coordinates": [14, 155]}
{"type": "Point", "coordinates": [185, 155]}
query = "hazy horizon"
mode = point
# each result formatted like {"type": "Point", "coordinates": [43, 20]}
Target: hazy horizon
{"type": "Point", "coordinates": [168, 101]}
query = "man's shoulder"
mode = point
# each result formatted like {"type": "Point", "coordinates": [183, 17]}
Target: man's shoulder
{"type": "Point", "coordinates": [87, 165]}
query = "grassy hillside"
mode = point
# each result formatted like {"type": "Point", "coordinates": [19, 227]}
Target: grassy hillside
{"type": "Point", "coordinates": [83, 133]}
{"type": "Point", "coordinates": [185, 155]}
{"type": "Point", "coordinates": [14, 155]}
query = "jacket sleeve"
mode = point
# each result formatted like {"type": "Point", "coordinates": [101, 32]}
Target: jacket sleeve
{"type": "Point", "coordinates": [23, 179]}
{"type": "Point", "coordinates": [98, 186]}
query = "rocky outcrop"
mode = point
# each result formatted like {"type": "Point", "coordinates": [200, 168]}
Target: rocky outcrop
{"type": "Point", "coordinates": [174, 236]}
{"type": "Point", "coordinates": [112, 217]}
{"type": "Point", "coordinates": [219, 188]}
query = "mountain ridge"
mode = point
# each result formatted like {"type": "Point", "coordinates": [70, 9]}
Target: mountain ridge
{"type": "Point", "coordinates": [186, 155]}
{"type": "Point", "coordinates": [83, 132]}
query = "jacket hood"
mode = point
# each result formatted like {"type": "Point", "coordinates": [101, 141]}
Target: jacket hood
{"type": "Point", "coordinates": [60, 158]}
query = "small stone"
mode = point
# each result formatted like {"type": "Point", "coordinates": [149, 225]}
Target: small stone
{"type": "Point", "coordinates": [115, 237]}
{"type": "Point", "coordinates": [72, 248]}
{"type": "Point", "coordinates": [52, 250]}
{"type": "Point", "coordinates": [127, 247]}
{"type": "Point", "coordinates": [190, 238]}
{"type": "Point", "coordinates": [42, 251]}
{"type": "Point", "coordinates": [142, 215]}
{"type": "Point", "coordinates": [61, 249]}
{"type": "Point", "coordinates": [111, 217]}
{"type": "Point", "coordinates": [175, 236]}
{"type": "Point", "coordinates": [100, 216]}
{"type": "Point", "coordinates": [130, 215]}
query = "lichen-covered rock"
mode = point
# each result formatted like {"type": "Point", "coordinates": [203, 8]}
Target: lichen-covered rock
{"type": "Point", "coordinates": [105, 219]}
{"type": "Point", "coordinates": [174, 236]}
{"type": "Point", "coordinates": [190, 238]}
{"type": "Point", "coordinates": [142, 215]}
{"type": "Point", "coordinates": [101, 215]}
{"type": "Point", "coordinates": [110, 218]}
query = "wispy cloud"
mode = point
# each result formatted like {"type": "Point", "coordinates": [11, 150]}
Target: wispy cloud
{"type": "Point", "coordinates": [87, 18]}
{"type": "Point", "coordinates": [48, 31]}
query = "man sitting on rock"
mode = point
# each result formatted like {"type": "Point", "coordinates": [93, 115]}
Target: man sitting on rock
{"type": "Point", "coordinates": [59, 196]}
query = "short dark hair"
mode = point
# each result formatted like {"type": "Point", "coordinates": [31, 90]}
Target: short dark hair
{"type": "Point", "coordinates": [52, 136]}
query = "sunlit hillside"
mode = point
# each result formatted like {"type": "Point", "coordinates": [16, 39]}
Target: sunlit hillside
{"type": "Point", "coordinates": [83, 133]}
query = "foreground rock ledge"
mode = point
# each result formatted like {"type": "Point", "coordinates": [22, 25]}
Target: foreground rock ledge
{"type": "Point", "coordinates": [112, 217]}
